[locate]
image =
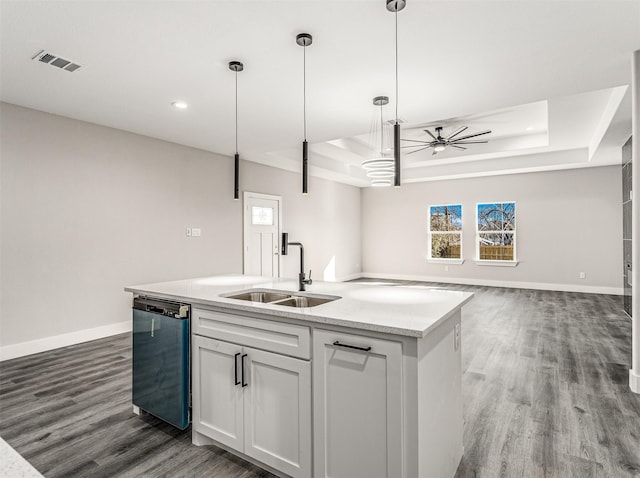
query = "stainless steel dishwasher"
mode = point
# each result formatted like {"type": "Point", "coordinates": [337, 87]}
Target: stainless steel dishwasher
{"type": "Point", "coordinates": [161, 366]}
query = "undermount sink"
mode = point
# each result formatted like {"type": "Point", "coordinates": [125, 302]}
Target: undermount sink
{"type": "Point", "coordinates": [261, 296]}
{"type": "Point", "coordinates": [304, 301]}
{"type": "Point", "coordinates": [287, 299]}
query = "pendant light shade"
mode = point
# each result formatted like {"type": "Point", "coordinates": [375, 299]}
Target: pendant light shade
{"type": "Point", "coordinates": [394, 6]}
{"type": "Point", "coordinates": [304, 40]}
{"type": "Point", "coordinates": [236, 67]}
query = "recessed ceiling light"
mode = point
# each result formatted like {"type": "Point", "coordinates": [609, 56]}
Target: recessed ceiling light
{"type": "Point", "coordinates": [530, 128]}
{"type": "Point", "coordinates": [181, 105]}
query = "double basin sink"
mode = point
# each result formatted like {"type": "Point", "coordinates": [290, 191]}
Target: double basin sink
{"type": "Point", "coordinates": [280, 297]}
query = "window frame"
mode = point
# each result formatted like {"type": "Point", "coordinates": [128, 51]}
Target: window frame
{"type": "Point", "coordinates": [497, 262]}
{"type": "Point", "coordinates": [430, 233]}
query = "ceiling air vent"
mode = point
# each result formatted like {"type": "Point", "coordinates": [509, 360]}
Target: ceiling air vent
{"type": "Point", "coordinates": [54, 60]}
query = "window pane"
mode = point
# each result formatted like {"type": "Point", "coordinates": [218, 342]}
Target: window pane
{"type": "Point", "coordinates": [446, 218]}
{"type": "Point", "coordinates": [445, 246]}
{"type": "Point", "coordinates": [497, 216]}
{"type": "Point", "coordinates": [261, 216]}
{"type": "Point", "coordinates": [496, 247]}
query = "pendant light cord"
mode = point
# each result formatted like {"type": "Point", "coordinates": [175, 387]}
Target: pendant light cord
{"type": "Point", "coordinates": [396, 15]}
{"type": "Point", "coordinates": [236, 112]}
{"type": "Point", "coordinates": [304, 90]}
{"type": "Point", "coordinates": [381, 133]}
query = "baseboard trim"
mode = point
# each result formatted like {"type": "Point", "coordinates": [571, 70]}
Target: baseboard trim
{"type": "Point", "coordinates": [23, 349]}
{"type": "Point", "coordinates": [348, 278]}
{"type": "Point", "coordinates": [634, 381]}
{"type": "Point", "coordinates": [495, 283]}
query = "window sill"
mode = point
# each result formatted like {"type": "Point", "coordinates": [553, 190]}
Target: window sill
{"type": "Point", "coordinates": [496, 263]}
{"type": "Point", "coordinates": [445, 261]}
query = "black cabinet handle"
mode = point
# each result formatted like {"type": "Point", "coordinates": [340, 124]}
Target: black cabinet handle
{"type": "Point", "coordinates": [235, 371]}
{"type": "Point", "coordinates": [364, 349]}
{"type": "Point", "coordinates": [244, 384]}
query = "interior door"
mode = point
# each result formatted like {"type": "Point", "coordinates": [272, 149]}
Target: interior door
{"type": "Point", "coordinates": [261, 234]}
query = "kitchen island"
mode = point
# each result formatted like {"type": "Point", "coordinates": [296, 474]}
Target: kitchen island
{"type": "Point", "coordinates": [365, 384]}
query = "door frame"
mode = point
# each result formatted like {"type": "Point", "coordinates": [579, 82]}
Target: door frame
{"type": "Point", "coordinates": [246, 223]}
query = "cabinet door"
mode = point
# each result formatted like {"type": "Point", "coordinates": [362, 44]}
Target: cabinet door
{"type": "Point", "coordinates": [357, 406]}
{"type": "Point", "coordinates": [277, 410]}
{"type": "Point", "coordinates": [217, 400]}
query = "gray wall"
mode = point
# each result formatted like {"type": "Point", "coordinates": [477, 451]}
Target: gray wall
{"type": "Point", "coordinates": [567, 222]}
{"type": "Point", "coordinates": [87, 210]}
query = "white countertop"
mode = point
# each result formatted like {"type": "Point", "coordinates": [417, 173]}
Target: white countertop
{"type": "Point", "coordinates": [402, 310]}
{"type": "Point", "coordinates": [13, 465]}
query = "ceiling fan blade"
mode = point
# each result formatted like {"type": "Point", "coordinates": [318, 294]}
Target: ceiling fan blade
{"type": "Point", "coordinates": [434, 153]}
{"type": "Point", "coordinates": [416, 146]}
{"type": "Point", "coordinates": [468, 142]}
{"type": "Point", "coordinates": [415, 141]}
{"type": "Point", "coordinates": [473, 135]}
{"type": "Point", "coordinates": [457, 132]}
{"type": "Point", "coordinates": [431, 134]}
{"type": "Point", "coordinates": [459, 147]}
{"type": "Point", "coordinates": [411, 152]}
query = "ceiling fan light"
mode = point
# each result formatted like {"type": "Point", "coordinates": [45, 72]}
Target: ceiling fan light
{"type": "Point", "coordinates": [439, 147]}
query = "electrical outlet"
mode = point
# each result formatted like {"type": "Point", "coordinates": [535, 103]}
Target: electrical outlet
{"type": "Point", "coordinates": [196, 232]}
{"type": "Point", "coordinates": [188, 232]}
{"type": "Point", "coordinates": [583, 275]}
{"type": "Point", "coordinates": [456, 337]}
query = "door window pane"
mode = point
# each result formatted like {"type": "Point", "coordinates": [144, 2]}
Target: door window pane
{"type": "Point", "coordinates": [261, 216]}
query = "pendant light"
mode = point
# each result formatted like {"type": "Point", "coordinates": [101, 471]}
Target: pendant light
{"type": "Point", "coordinates": [379, 166]}
{"type": "Point", "coordinates": [304, 40]}
{"type": "Point", "coordinates": [236, 67]}
{"type": "Point", "coordinates": [395, 6]}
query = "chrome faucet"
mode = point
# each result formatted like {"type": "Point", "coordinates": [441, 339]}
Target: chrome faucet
{"type": "Point", "coordinates": [302, 279]}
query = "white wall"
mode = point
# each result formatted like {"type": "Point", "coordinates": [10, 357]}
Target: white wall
{"type": "Point", "coordinates": [567, 222]}
{"type": "Point", "coordinates": [326, 221]}
{"type": "Point", "coordinates": [87, 210]}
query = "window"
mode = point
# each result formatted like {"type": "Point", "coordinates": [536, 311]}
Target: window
{"type": "Point", "coordinates": [496, 238]}
{"type": "Point", "coordinates": [445, 232]}
{"type": "Point", "coordinates": [261, 216]}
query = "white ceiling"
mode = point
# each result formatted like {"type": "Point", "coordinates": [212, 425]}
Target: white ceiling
{"type": "Point", "coordinates": [483, 64]}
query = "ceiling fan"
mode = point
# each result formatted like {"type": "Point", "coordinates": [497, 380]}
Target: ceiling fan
{"type": "Point", "coordinates": [440, 143]}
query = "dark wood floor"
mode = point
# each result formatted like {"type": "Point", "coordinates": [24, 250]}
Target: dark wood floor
{"type": "Point", "coordinates": [545, 395]}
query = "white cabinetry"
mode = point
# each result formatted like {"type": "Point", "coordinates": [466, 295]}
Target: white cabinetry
{"type": "Point", "coordinates": [384, 406]}
{"type": "Point", "coordinates": [255, 402]}
{"type": "Point", "coordinates": [357, 390]}
{"type": "Point", "coordinates": [218, 409]}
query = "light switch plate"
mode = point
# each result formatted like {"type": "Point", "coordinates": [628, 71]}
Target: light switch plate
{"type": "Point", "coordinates": [188, 232]}
{"type": "Point", "coordinates": [196, 232]}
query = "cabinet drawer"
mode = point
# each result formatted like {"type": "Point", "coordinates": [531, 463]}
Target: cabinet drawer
{"type": "Point", "coordinates": [266, 334]}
